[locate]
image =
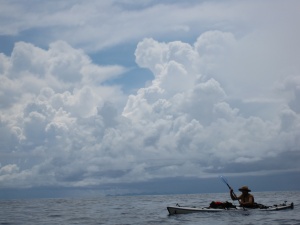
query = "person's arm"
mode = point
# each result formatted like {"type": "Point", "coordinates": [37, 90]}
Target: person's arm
{"type": "Point", "coordinates": [233, 197]}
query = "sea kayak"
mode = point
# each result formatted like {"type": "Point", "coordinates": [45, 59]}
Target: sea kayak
{"type": "Point", "coordinates": [184, 209]}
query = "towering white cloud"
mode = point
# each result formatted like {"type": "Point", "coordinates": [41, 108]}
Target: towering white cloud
{"type": "Point", "coordinates": [62, 126]}
{"type": "Point", "coordinates": [223, 134]}
{"type": "Point", "coordinates": [51, 106]}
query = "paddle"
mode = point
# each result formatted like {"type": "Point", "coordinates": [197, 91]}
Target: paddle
{"type": "Point", "coordinates": [226, 182]}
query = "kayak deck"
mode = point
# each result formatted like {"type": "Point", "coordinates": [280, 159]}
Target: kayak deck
{"type": "Point", "coordinates": [184, 210]}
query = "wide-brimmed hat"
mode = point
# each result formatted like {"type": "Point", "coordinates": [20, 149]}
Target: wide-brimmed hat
{"type": "Point", "coordinates": [244, 188]}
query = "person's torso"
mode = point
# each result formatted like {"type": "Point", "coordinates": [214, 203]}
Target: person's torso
{"type": "Point", "coordinates": [246, 198]}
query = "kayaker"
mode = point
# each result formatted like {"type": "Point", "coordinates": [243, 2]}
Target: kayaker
{"type": "Point", "coordinates": [245, 199]}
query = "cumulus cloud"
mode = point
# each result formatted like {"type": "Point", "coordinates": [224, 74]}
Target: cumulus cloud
{"type": "Point", "coordinates": [64, 127]}
{"type": "Point", "coordinates": [49, 99]}
{"type": "Point", "coordinates": [224, 135]}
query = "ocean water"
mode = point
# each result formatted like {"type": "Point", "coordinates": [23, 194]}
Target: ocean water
{"type": "Point", "coordinates": [144, 210]}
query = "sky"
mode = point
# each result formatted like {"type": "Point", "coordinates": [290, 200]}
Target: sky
{"type": "Point", "coordinates": [123, 96]}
